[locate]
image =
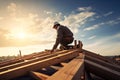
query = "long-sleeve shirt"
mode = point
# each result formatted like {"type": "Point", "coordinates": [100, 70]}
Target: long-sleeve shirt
{"type": "Point", "coordinates": [62, 32]}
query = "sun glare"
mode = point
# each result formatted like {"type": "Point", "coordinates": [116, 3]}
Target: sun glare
{"type": "Point", "coordinates": [21, 35]}
{"type": "Point", "coordinates": [18, 35]}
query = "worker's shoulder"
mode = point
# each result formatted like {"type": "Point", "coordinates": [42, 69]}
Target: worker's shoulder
{"type": "Point", "coordinates": [62, 27]}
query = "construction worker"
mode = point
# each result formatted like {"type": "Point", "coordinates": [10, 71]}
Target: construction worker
{"type": "Point", "coordinates": [64, 36]}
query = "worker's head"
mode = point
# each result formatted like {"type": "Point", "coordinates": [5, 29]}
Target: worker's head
{"type": "Point", "coordinates": [56, 24]}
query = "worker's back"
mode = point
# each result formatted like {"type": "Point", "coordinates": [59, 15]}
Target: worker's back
{"type": "Point", "coordinates": [65, 31]}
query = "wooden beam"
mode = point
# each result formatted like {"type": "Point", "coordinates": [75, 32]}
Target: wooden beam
{"type": "Point", "coordinates": [19, 59]}
{"type": "Point", "coordinates": [72, 71]}
{"type": "Point", "coordinates": [41, 57]}
{"type": "Point", "coordinates": [56, 67]}
{"type": "Point", "coordinates": [38, 76]}
{"type": "Point", "coordinates": [88, 76]}
{"type": "Point", "coordinates": [23, 58]}
{"type": "Point", "coordinates": [22, 70]}
{"type": "Point", "coordinates": [63, 64]}
{"type": "Point", "coordinates": [102, 71]}
{"type": "Point", "coordinates": [4, 63]}
{"type": "Point", "coordinates": [103, 63]}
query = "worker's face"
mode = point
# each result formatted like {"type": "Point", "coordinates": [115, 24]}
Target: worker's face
{"type": "Point", "coordinates": [55, 27]}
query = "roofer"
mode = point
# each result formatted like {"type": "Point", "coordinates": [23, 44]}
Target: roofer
{"type": "Point", "coordinates": [64, 36]}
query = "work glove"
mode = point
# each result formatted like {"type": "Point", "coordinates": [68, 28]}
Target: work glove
{"type": "Point", "coordinates": [52, 51]}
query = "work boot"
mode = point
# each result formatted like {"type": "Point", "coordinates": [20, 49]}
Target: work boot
{"type": "Point", "coordinates": [63, 47]}
{"type": "Point", "coordinates": [69, 47]}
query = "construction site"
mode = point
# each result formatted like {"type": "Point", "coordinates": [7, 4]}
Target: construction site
{"type": "Point", "coordinates": [72, 64]}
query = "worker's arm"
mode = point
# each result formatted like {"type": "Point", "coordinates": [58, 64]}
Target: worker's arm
{"type": "Point", "coordinates": [58, 39]}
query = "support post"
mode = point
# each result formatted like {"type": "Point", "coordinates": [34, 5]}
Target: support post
{"type": "Point", "coordinates": [80, 45]}
{"type": "Point", "coordinates": [20, 54]}
{"type": "Point", "coordinates": [75, 44]}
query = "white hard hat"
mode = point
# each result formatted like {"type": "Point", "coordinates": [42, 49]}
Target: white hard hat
{"type": "Point", "coordinates": [55, 23]}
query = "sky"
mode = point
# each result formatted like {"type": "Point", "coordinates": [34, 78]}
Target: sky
{"type": "Point", "coordinates": [26, 25]}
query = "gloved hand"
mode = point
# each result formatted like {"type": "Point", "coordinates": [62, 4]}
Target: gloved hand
{"type": "Point", "coordinates": [52, 51]}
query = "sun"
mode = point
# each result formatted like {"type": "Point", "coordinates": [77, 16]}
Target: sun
{"type": "Point", "coordinates": [21, 35]}
{"type": "Point", "coordinates": [17, 34]}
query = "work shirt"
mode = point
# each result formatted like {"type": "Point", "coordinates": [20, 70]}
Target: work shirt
{"type": "Point", "coordinates": [62, 32]}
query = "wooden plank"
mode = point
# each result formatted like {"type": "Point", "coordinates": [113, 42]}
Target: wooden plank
{"type": "Point", "coordinates": [43, 56]}
{"type": "Point", "coordinates": [63, 64]}
{"type": "Point", "coordinates": [102, 71]}
{"type": "Point", "coordinates": [38, 76]}
{"type": "Point", "coordinates": [56, 67]}
{"type": "Point", "coordinates": [18, 59]}
{"type": "Point", "coordinates": [103, 63]}
{"type": "Point", "coordinates": [22, 70]}
{"type": "Point", "coordinates": [72, 71]}
{"type": "Point", "coordinates": [21, 59]}
{"type": "Point", "coordinates": [4, 63]}
{"type": "Point", "coordinates": [87, 76]}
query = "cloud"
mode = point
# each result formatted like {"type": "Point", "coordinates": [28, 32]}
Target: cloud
{"type": "Point", "coordinates": [73, 21]}
{"type": "Point", "coordinates": [117, 35]}
{"type": "Point", "coordinates": [82, 35]}
{"type": "Point", "coordinates": [98, 16]}
{"type": "Point", "coordinates": [91, 27]}
{"type": "Point", "coordinates": [104, 48]}
{"type": "Point", "coordinates": [39, 28]}
{"type": "Point", "coordinates": [113, 22]}
{"type": "Point", "coordinates": [118, 18]}
{"type": "Point", "coordinates": [76, 20]}
{"type": "Point", "coordinates": [12, 7]}
{"type": "Point", "coordinates": [107, 14]}
{"type": "Point", "coordinates": [84, 8]}
{"type": "Point", "coordinates": [92, 37]}
{"type": "Point", "coordinates": [105, 45]}
{"type": "Point", "coordinates": [108, 23]}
